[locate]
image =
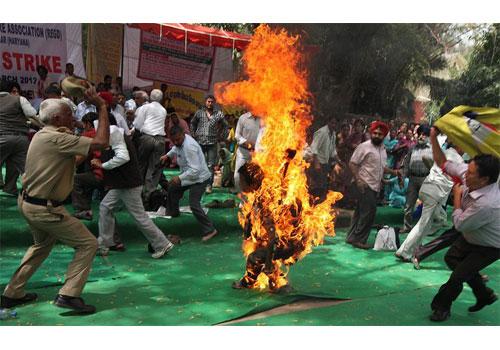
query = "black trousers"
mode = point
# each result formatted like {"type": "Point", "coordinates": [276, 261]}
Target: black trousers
{"type": "Point", "coordinates": [364, 216]}
{"type": "Point", "coordinates": [84, 185]}
{"type": "Point", "coordinates": [465, 260]}
{"type": "Point", "coordinates": [196, 191]}
{"type": "Point", "coordinates": [318, 182]}
{"type": "Point", "coordinates": [444, 240]}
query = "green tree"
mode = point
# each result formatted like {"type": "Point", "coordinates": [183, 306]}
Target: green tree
{"type": "Point", "coordinates": [366, 68]}
{"type": "Point", "coordinates": [479, 84]}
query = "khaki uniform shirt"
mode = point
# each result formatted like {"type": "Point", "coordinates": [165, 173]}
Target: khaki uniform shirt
{"type": "Point", "coordinates": [50, 162]}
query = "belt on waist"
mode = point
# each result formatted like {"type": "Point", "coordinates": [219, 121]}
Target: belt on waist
{"type": "Point", "coordinates": [40, 201]}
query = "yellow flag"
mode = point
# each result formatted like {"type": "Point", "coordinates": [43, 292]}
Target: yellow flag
{"type": "Point", "coordinates": [473, 129]}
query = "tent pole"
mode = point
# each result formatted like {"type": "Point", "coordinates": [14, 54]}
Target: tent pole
{"type": "Point", "coordinates": [123, 52]}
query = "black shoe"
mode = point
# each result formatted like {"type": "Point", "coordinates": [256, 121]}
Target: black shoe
{"type": "Point", "coordinates": [120, 247]}
{"type": "Point", "coordinates": [150, 248]}
{"type": "Point", "coordinates": [9, 303]}
{"type": "Point", "coordinates": [440, 315]}
{"type": "Point", "coordinates": [75, 303]}
{"type": "Point", "coordinates": [209, 236]}
{"type": "Point", "coordinates": [172, 214]}
{"type": "Point", "coordinates": [402, 258]}
{"type": "Point", "coordinates": [360, 245]}
{"type": "Point", "coordinates": [482, 303]}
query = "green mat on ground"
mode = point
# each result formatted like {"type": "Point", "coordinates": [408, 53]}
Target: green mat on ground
{"type": "Point", "coordinates": [192, 285]}
{"type": "Point", "coordinates": [396, 309]}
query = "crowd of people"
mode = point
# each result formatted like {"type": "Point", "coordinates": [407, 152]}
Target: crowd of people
{"type": "Point", "coordinates": [119, 147]}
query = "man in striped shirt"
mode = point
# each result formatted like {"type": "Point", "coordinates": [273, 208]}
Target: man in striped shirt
{"type": "Point", "coordinates": [208, 126]}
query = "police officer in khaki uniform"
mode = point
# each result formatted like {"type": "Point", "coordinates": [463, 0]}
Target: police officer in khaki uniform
{"type": "Point", "coordinates": [47, 181]}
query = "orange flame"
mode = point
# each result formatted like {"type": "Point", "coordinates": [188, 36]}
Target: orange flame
{"type": "Point", "coordinates": [276, 90]}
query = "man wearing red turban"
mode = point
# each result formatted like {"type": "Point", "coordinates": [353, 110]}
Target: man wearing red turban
{"type": "Point", "coordinates": [384, 128]}
{"type": "Point", "coordinates": [368, 165]}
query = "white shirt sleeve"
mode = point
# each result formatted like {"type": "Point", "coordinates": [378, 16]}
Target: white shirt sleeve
{"type": "Point", "coordinates": [140, 117]}
{"type": "Point", "coordinates": [334, 146]}
{"type": "Point", "coordinates": [28, 109]}
{"type": "Point", "coordinates": [117, 142]}
{"type": "Point", "coordinates": [172, 152]}
{"type": "Point", "coordinates": [455, 169]}
{"type": "Point", "coordinates": [121, 123]}
{"type": "Point", "coordinates": [319, 139]}
{"type": "Point", "coordinates": [237, 133]}
{"type": "Point", "coordinates": [194, 165]}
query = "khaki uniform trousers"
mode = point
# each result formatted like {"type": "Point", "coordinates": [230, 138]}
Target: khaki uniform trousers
{"type": "Point", "coordinates": [49, 224]}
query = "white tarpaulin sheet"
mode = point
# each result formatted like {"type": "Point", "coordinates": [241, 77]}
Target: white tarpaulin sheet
{"type": "Point", "coordinates": [25, 46]}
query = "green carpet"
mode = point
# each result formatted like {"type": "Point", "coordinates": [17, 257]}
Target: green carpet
{"type": "Point", "coordinates": [192, 285]}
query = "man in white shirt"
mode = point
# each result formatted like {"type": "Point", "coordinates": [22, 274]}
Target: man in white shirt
{"type": "Point", "coordinates": [116, 107]}
{"type": "Point", "coordinates": [120, 120]}
{"type": "Point", "coordinates": [150, 122]}
{"type": "Point", "coordinates": [323, 153]}
{"type": "Point", "coordinates": [433, 193]}
{"type": "Point", "coordinates": [141, 98]}
{"type": "Point", "coordinates": [121, 176]}
{"type": "Point", "coordinates": [247, 129]}
{"type": "Point", "coordinates": [194, 177]}
{"type": "Point", "coordinates": [119, 113]}
{"type": "Point", "coordinates": [83, 108]}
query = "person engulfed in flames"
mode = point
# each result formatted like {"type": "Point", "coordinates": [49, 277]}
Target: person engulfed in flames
{"type": "Point", "coordinates": [281, 222]}
{"type": "Point", "coordinates": [269, 252]}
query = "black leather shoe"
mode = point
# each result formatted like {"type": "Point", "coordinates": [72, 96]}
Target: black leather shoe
{"type": "Point", "coordinates": [482, 303]}
{"type": "Point", "coordinates": [360, 245]}
{"type": "Point", "coordinates": [440, 315]}
{"type": "Point", "coordinates": [402, 258]}
{"type": "Point", "coordinates": [75, 303]}
{"type": "Point", "coordinates": [9, 303]}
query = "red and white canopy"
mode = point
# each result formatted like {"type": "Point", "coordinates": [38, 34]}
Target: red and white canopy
{"type": "Point", "coordinates": [196, 34]}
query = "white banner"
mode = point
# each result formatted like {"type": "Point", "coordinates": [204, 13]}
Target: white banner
{"type": "Point", "coordinates": [25, 46]}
